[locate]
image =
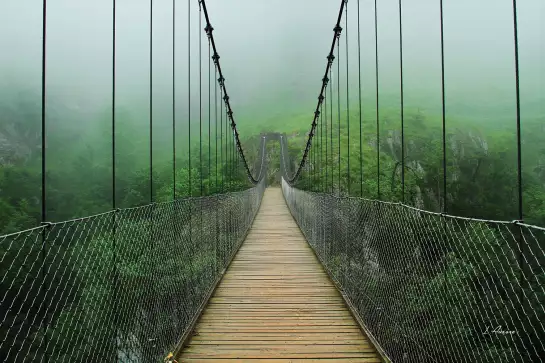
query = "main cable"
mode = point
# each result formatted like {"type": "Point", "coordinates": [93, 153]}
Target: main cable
{"type": "Point", "coordinates": [209, 30]}
{"type": "Point", "coordinates": [330, 58]}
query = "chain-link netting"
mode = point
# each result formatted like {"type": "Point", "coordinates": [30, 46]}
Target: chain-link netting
{"type": "Point", "coordinates": [431, 287]}
{"type": "Point", "coordinates": [120, 286]}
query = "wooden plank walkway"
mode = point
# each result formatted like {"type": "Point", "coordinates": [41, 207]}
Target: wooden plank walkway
{"type": "Point", "coordinates": [276, 303]}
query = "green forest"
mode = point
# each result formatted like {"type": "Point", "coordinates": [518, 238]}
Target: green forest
{"type": "Point", "coordinates": [481, 183]}
{"type": "Point", "coordinates": [481, 162]}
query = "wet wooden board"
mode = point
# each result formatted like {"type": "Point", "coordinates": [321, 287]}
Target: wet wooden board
{"type": "Point", "coordinates": [276, 303]}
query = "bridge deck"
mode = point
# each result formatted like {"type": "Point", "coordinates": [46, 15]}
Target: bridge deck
{"type": "Point", "coordinates": [275, 302]}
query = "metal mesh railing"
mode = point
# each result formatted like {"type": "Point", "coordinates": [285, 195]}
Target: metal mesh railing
{"type": "Point", "coordinates": [120, 286]}
{"type": "Point", "coordinates": [431, 287]}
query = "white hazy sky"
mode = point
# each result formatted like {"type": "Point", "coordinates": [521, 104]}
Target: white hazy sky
{"type": "Point", "coordinates": [272, 52]}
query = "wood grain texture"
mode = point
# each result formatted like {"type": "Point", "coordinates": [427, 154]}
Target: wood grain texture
{"type": "Point", "coordinates": [276, 303]}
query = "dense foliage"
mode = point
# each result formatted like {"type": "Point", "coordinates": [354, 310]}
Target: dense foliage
{"type": "Point", "coordinates": [481, 182]}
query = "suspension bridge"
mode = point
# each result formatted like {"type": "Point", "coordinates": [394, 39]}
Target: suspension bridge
{"type": "Point", "coordinates": [294, 267]}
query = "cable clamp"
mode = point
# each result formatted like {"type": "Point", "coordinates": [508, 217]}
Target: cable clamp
{"type": "Point", "coordinates": [325, 80]}
{"type": "Point", "coordinates": [221, 80]}
{"type": "Point", "coordinates": [331, 58]}
{"type": "Point", "coordinates": [338, 30]}
{"type": "Point", "coordinates": [216, 58]}
{"type": "Point", "coordinates": [209, 30]}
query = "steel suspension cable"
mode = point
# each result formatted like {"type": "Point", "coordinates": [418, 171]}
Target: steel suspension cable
{"type": "Point", "coordinates": [152, 198]}
{"type": "Point", "coordinates": [209, 119]}
{"type": "Point", "coordinates": [227, 152]}
{"type": "Point", "coordinates": [314, 166]}
{"type": "Point", "coordinates": [234, 163]}
{"type": "Point", "coordinates": [339, 162]}
{"type": "Point", "coordinates": [321, 148]}
{"type": "Point", "coordinates": [114, 185]}
{"type": "Point", "coordinates": [443, 127]}
{"type": "Point", "coordinates": [326, 145]}
{"type": "Point", "coordinates": [443, 109]}
{"type": "Point", "coordinates": [520, 238]}
{"type": "Point", "coordinates": [114, 23]}
{"type": "Point", "coordinates": [331, 127]}
{"type": "Point", "coordinates": [221, 142]}
{"type": "Point", "coordinates": [310, 168]}
{"type": "Point", "coordinates": [190, 186]}
{"type": "Point", "coordinates": [200, 102]}
{"type": "Point", "coordinates": [216, 126]}
{"type": "Point", "coordinates": [173, 99]}
{"type": "Point", "coordinates": [330, 58]}
{"type": "Point", "coordinates": [347, 104]}
{"type": "Point", "coordinates": [377, 101]}
{"type": "Point", "coordinates": [517, 99]}
{"type": "Point", "coordinates": [43, 290]}
{"type": "Point", "coordinates": [359, 102]}
{"type": "Point", "coordinates": [209, 29]}
{"type": "Point", "coordinates": [402, 104]}
{"type": "Point", "coordinates": [151, 103]}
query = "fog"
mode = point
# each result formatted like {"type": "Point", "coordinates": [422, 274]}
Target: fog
{"type": "Point", "coordinates": [273, 55]}
{"type": "Point", "coordinates": [273, 52]}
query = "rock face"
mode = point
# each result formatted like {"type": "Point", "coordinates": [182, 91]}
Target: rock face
{"type": "Point", "coordinates": [462, 146]}
{"type": "Point", "coordinates": [20, 127]}
{"type": "Point", "coordinates": [15, 148]}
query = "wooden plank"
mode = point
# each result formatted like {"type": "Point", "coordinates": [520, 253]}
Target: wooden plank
{"type": "Point", "coordinates": [275, 303]}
